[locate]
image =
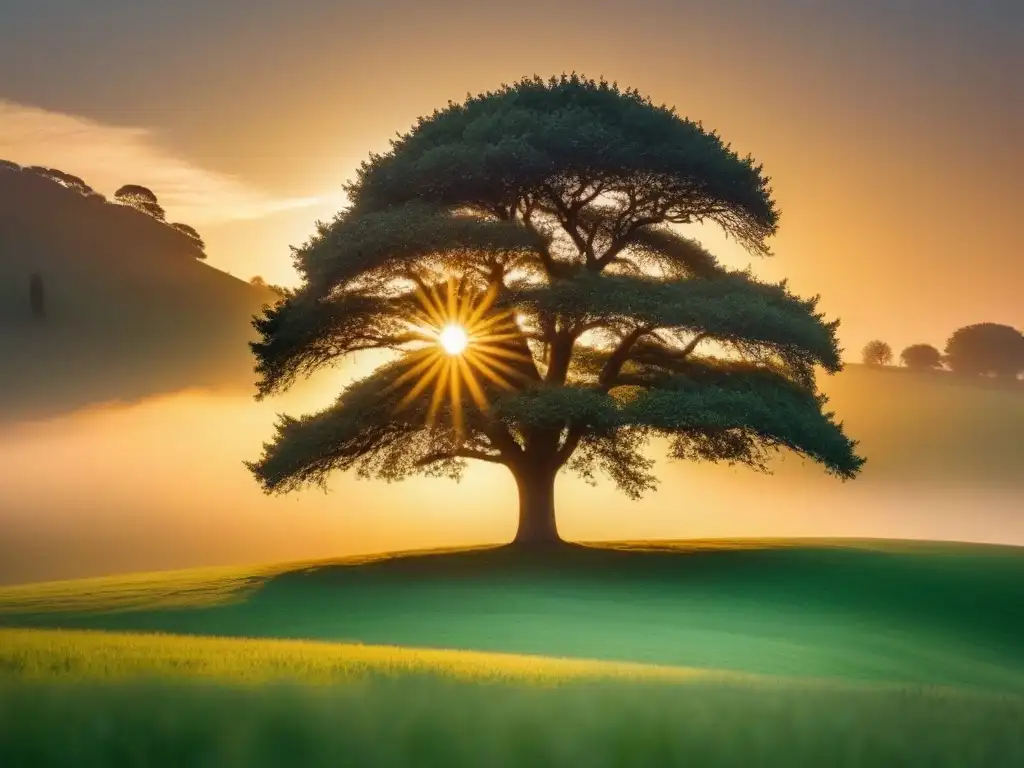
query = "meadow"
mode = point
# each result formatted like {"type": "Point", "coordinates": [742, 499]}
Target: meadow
{"type": "Point", "coordinates": [786, 652]}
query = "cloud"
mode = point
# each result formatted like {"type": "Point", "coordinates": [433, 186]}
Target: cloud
{"type": "Point", "coordinates": [108, 156]}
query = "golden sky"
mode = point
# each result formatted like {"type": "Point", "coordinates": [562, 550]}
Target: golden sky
{"type": "Point", "coordinates": [891, 129]}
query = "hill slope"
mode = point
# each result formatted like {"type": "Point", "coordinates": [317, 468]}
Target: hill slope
{"type": "Point", "coordinates": [903, 612]}
{"type": "Point", "coordinates": [131, 310]}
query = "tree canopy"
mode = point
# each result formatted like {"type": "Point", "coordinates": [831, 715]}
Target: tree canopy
{"type": "Point", "coordinates": [986, 348]}
{"type": "Point", "coordinates": [922, 357]}
{"type": "Point", "coordinates": [141, 198]}
{"type": "Point", "coordinates": [876, 352]}
{"type": "Point", "coordinates": [538, 221]}
{"type": "Point", "coordinates": [194, 238]}
{"type": "Point", "coordinates": [65, 179]}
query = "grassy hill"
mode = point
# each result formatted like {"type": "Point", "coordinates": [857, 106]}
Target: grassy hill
{"type": "Point", "coordinates": [132, 310]}
{"type": "Point", "coordinates": [943, 614]}
{"type": "Point", "coordinates": [789, 652]}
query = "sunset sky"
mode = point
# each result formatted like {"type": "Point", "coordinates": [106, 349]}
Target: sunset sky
{"type": "Point", "coordinates": [892, 130]}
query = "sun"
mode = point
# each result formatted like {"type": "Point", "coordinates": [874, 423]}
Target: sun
{"type": "Point", "coordinates": [469, 346]}
{"type": "Point", "coordinates": [453, 339]}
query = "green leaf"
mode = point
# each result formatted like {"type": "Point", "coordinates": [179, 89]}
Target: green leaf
{"type": "Point", "coordinates": [387, 244]}
{"type": "Point", "coordinates": [365, 430]}
{"type": "Point", "coordinates": [732, 308]}
{"type": "Point", "coordinates": [534, 135]}
{"type": "Point", "coordinates": [555, 407]}
{"type": "Point", "coordinates": [760, 406]}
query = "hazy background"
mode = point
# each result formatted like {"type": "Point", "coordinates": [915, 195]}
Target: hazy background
{"type": "Point", "coordinates": [891, 131]}
{"type": "Point", "coordinates": [161, 484]}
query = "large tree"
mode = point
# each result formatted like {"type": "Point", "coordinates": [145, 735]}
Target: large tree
{"type": "Point", "coordinates": [515, 255]}
{"type": "Point", "coordinates": [986, 349]}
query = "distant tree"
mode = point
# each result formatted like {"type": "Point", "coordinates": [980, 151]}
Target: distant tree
{"type": "Point", "coordinates": [921, 357]}
{"type": "Point", "coordinates": [62, 178]}
{"type": "Point", "coordinates": [986, 349]}
{"type": "Point", "coordinates": [141, 198]}
{"type": "Point", "coordinates": [258, 282]}
{"type": "Point", "coordinates": [516, 252]}
{"type": "Point", "coordinates": [37, 295]}
{"type": "Point", "coordinates": [129, 194]}
{"type": "Point", "coordinates": [877, 353]}
{"type": "Point", "coordinates": [193, 236]}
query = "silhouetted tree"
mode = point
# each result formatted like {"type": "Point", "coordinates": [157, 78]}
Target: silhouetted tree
{"type": "Point", "coordinates": [193, 237]}
{"type": "Point", "coordinates": [877, 353]}
{"type": "Point", "coordinates": [62, 178]}
{"type": "Point", "coordinates": [7, 165]}
{"type": "Point", "coordinates": [583, 313]}
{"type": "Point", "coordinates": [257, 281]}
{"type": "Point", "coordinates": [141, 198]}
{"type": "Point", "coordinates": [37, 296]}
{"type": "Point", "coordinates": [986, 348]}
{"type": "Point", "coordinates": [921, 357]}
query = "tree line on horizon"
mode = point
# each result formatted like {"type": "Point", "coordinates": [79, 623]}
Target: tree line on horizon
{"type": "Point", "coordinates": [981, 349]}
{"type": "Point", "coordinates": [133, 196]}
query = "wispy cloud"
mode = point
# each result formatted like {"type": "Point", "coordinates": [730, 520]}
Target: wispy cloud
{"type": "Point", "coordinates": [108, 156]}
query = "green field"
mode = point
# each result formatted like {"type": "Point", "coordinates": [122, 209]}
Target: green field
{"type": "Point", "coordinates": [701, 653]}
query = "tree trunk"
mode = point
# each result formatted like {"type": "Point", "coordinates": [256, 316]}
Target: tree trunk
{"type": "Point", "coordinates": [537, 528]}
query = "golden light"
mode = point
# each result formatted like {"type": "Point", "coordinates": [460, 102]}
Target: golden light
{"type": "Point", "coordinates": [454, 339]}
{"type": "Point", "coordinates": [469, 345]}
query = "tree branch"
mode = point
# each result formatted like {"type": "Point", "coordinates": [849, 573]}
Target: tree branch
{"type": "Point", "coordinates": [621, 241]}
{"type": "Point", "coordinates": [544, 251]}
{"type": "Point", "coordinates": [664, 356]}
{"type": "Point", "coordinates": [461, 453]}
{"type": "Point", "coordinates": [559, 357]}
{"type": "Point", "coordinates": [608, 374]}
{"type": "Point", "coordinates": [567, 218]}
{"type": "Point", "coordinates": [621, 355]}
{"type": "Point", "coordinates": [688, 349]}
{"type": "Point", "coordinates": [572, 442]}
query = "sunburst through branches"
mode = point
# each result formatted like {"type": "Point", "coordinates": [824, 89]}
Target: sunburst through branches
{"type": "Point", "coordinates": [470, 346]}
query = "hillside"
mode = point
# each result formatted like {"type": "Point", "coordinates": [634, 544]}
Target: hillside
{"type": "Point", "coordinates": [905, 612]}
{"type": "Point", "coordinates": [777, 652]}
{"type": "Point", "coordinates": [131, 309]}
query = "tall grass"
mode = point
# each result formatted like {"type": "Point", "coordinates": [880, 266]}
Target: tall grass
{"type": "Point", "coordinates": [426, 721]}
{"type": "Point", "coordinates": [871, 611]}
{"type": "Point", "coordinates": [76, 656]}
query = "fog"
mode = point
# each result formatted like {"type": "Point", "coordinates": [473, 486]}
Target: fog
{"type": "Point", "coordinates": [160, 484]}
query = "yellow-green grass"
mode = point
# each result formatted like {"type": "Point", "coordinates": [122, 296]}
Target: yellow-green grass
{"type": "Point", "coordinates": [82, 655]}
{"type": "Point", "coordinates": [436, 718]}
{"type": "Point", "coordinates": [873, 611]}
{"type": "Point", "coordinates": [757, 653]}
